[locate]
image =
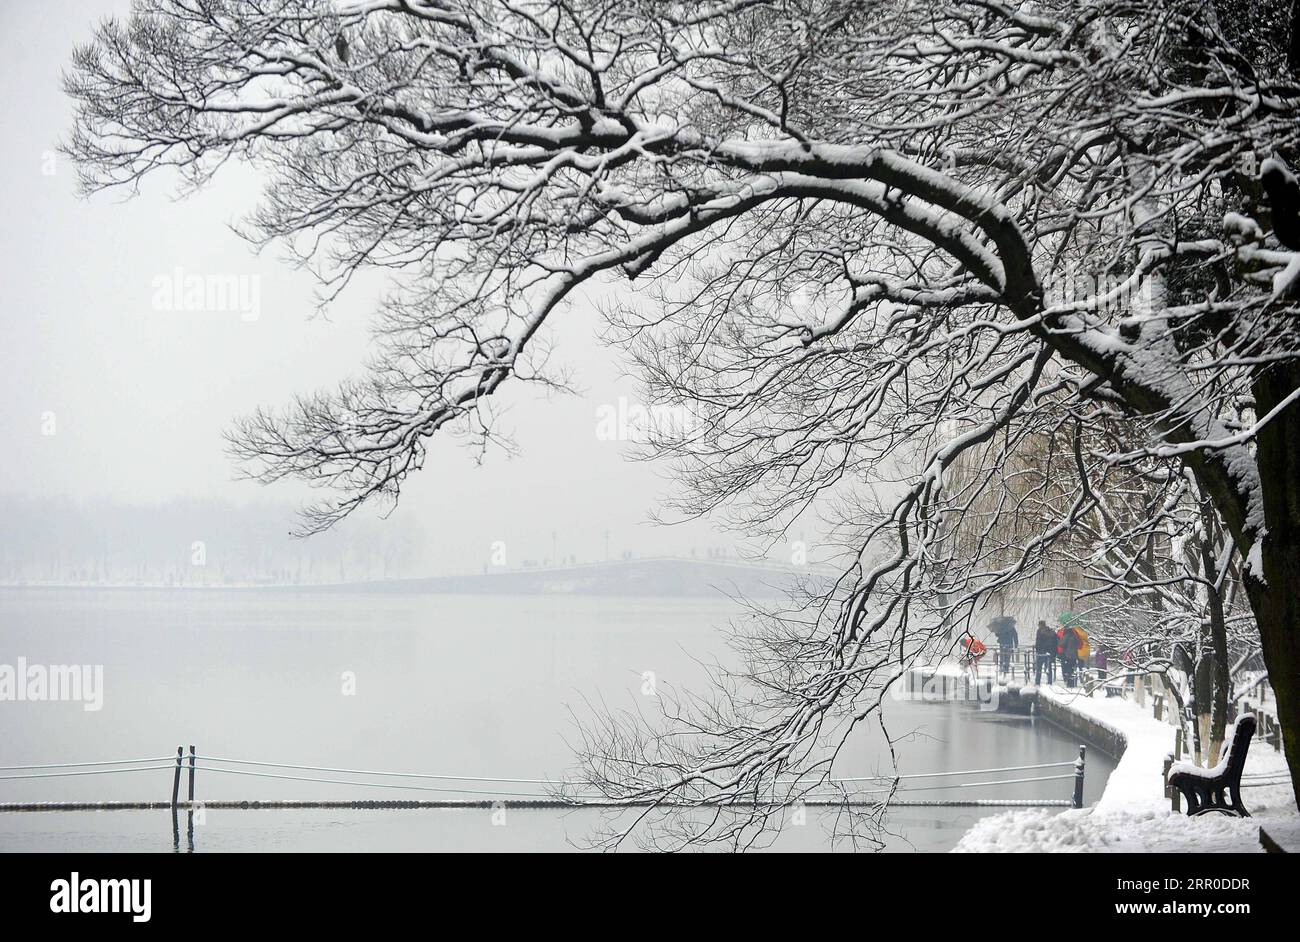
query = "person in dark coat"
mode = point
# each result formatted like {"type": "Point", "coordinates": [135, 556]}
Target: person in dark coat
{"type": "Point", "coordinates": [1004, 629]}
{"type": "Point", "coordinates": [1044, 653]}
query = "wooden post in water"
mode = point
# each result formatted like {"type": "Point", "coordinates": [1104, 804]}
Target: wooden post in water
{"type": "Point", "coordinates": [176, 782]}
{"type": "Point", "coordinates": [191, 773]}
{"type": "Point", "coordinates": [1078, 778]}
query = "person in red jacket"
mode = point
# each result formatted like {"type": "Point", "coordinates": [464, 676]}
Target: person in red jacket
{"type": "Point", "coordinates": [972, 650]}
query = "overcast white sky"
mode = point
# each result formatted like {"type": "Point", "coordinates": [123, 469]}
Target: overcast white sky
{"type": "Point", "coordinates": [141, 396]}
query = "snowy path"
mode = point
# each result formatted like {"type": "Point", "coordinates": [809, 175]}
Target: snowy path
{"type": "Point", "coordinates": [1135, 784]}
{"type": "Point", "coordinates": [1133, 815]}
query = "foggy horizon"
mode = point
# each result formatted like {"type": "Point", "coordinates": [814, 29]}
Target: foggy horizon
{"type": "Point", "coordinates": [139, 398]}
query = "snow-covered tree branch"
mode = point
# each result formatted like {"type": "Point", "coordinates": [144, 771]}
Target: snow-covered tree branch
{"type": "Point", "coordinates": [861, 241]}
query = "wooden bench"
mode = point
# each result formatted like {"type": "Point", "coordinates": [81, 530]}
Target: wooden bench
{"type": "Point", "coordinates": [1218, 789]}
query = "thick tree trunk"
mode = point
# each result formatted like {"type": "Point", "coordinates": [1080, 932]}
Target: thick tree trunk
{"type": "Point", "coordinates": [1276, 597]}
{"type": "Point", "coordinates": [1277, 600]}
{"type": "Point", "coordinates": [1278, 612]}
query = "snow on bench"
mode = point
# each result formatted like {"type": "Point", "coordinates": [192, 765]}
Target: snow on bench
{"type": "Point", "coordinates": [1218, 789]}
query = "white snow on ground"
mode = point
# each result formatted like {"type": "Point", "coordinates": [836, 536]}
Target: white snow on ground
{"type": "Point", "coordinates": [1088, 830]}
{"type": "Point", "coordinates": [1273, 806]}
{"type": "Point", "coordinates": [1133, 815]}
{"type": "Point", "coordinates": [1135, 784]}
{"type": "Point", "coordinates": [1285, 831]}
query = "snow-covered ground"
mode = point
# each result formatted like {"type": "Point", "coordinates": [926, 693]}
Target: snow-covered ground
{"type": "Point", "coordinates": [1133, 814]}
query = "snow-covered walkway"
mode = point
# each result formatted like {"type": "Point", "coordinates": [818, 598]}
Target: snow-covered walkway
{"type": "Point", "coordinates": [1133, 814]}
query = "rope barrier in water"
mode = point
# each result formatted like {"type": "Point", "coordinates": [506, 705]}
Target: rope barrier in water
{"type": "Point", "coordinates": [575, 800]}
{"type": "Point", "coordinates": [149, 768]}
{"type": "Point", "coordinates": [478, 791]}
{"type": "Point", "coordinates": [332, 781]}
{"type": "Point", "coordinates": [319, 768]}
{"type": "Point", "coordinates": [829, 783]}
{"type": "Point", "coordinates": [535, 781]}
{"type": "Point", "coordinates": [1008, 781]}
{"type": "Point", "coordinates": [1011, 768]}
{"type": "Point", "coordinates": [515, 803]}
{"type": "Point", "coordinates": [525, 799]}
{"type": "Point", "coordinates": [500, 779]}
{"type": "Point", "coordinates": [78, 765]}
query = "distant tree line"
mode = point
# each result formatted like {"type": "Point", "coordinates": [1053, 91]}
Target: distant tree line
{"type": "Point", "coordinates": [191, 542]}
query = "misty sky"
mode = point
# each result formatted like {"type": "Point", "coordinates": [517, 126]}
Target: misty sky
{"type": "Point", "coordinates": [140, 396]}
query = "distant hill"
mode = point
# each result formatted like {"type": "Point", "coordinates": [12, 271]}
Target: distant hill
{"type": "Point", "coordinates": [690, 578]}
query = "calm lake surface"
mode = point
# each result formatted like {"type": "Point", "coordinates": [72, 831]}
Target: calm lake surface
{"type": "Point", "coordinates": [465, 685]}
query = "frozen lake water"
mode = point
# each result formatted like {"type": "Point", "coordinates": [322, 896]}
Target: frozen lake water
{"type": "Point", "coordinates": [467, 685]}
